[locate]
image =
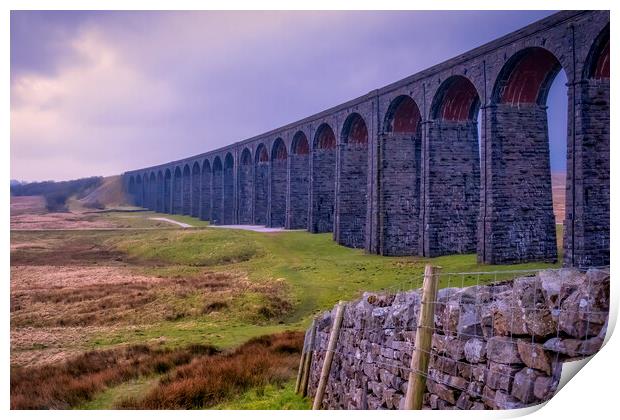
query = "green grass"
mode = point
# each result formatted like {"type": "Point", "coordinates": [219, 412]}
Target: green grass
{"type": "Point", "coordinates": [108, 398]}
{"type": "Point", "coordinates": [269, 397]}
{"type": "Point", "coordinates": [317, 273]}
{"type": "Point", "coordinates": [220, 333]}
{"type": "Point", "coordinates": [188, 247]}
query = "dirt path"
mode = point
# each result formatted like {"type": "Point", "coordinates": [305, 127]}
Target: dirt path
{"type": "Point", "coordinates": [253, 228]}
{"type": "Point", "coordinates": [164, 219]}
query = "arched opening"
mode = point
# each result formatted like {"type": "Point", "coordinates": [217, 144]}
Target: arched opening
{"type": "Point", "coordinates": [277, 206]}
{"type": "Point", "coordinates": [229, 190]}
{"type": "Point", "coordinates": [131, 188]}
{"type": "Point", "coordinates": [168, 191]}
{"type": "Point", "coordinates": [195, 193]}
{"type": "Point", "coordinates": [261, 185]}
{"type": "Point", "coordinates": [177, 191]}
{"type": "Point", "coordinates": [245, 187]}
{"type": "Point", "coordinates": [586, 228]}
{"type": "Point", "coordinates": [217, 186]}
{"type": "Point", "coordinates": [521, 223]}
{"type": "Point", "coordinates": [323, 180]}
{"type": "Point", "coordinates": [299, 188]}
{"type": "Point", "coordinates": [557, 117]}
{"type": "Point", "coordinates": [146, 189]}
{"type": "Point", "coordinates": [152, 191]}
{"type": "Point", "coordinates": [205, 192]}
{"type": "Point", "coordinates": [452, 182]}
{"type": "Point", "coordinates": [139, 196]}
{"type": "Point", "coordinates": [187, 190]}
{"type": "Point", "coordinates": [400, 178]}
{"type": "Point", "coordinates": [353, 183]}
{"type": "Point", "coordinates": [159, 204]}
{"type": "Point", "coordinates": [597, 66]}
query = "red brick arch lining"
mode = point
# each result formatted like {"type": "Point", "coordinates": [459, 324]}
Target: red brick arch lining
{"type": "Point", "coordinates": [403, 115]}
{"type": "Point", "coordinates": [229, 161]}
{"type": "Point", "coordinates": [300, 144]}
{"type": "Point", "coordinates": [246, 157]}
{"type": "Point", "coordinates": [601, 69]}
{"type": "Point", "coordinates": [457, 100]}
{"type": "Point", "coordinates": [279, 150]}
{"type": "Point", "coordinates": [355, 130]}
{"type": "Point", "coordinates": [527, 77]}
{"type": "Point", "coordinates": [261, 153]}
{"type": "Point", "coordinates": [325, 138]}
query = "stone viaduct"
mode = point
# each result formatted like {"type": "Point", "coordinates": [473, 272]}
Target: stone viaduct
{"type": "Point", "coordinates": [400, 171]}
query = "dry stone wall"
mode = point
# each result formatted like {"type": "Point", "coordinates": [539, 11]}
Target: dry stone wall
{"type": "Point", "coordinates": [495, 346]}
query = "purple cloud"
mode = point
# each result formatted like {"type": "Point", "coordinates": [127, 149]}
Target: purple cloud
{"type": "Point", "coordinates": [103, 92]}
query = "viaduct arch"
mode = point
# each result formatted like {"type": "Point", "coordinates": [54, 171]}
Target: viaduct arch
{"type": "Point", "coordinates": [453, 159]}
{"type": "Point", "coordinates": [299, 174]}
{"type": "Point", "coordinates": [246, 187]}
{"type": "Point", "coordinates": [205, 191]}
{"type": "Point", "coordinates": [278, 176]}
{"type": "Point", "coordinates": [261, 185]}
{"type": "Point", "coordinates": [323, 180]}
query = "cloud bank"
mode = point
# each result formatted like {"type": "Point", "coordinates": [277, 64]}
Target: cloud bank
{"type": "Point", "coordinates": [98, 93]}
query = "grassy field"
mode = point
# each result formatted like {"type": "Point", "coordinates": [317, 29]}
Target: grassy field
{"type": "Point", "coordinates": [171, 288]}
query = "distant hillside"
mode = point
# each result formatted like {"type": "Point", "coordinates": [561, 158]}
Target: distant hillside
{"type": "Point", "coordinates": [57, 193]}
{"type": "Point", "coordinates": [108, 194]}
{"type": "Point", "coordinates": [558, 183]}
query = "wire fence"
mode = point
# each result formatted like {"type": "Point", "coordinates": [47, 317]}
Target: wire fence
{"type": "Point", "coordinates": [498, 339]}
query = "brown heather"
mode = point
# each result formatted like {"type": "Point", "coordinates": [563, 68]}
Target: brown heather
{"type": "Point", "coordinates": [211, 379]}
{"type": "Point", "coordinates": [67, 384]}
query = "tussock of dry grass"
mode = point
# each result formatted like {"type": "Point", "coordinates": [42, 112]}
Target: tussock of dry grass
{"type": "Point", "coordinates": [212, 379]}
{"type": "Point", "coordinates": [67, 384]}
{"type": "Point", "coordinates": [106, 296]}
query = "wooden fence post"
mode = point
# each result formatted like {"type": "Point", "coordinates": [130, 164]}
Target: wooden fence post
{"type": "Point", "coordinates": [302, 360]}
{"type": "Point", "coordinates": [423, 339]}
{"type": "Point", "coordinates": [329, 356]}
{"type": "Point", "coordinates": [303, 387]}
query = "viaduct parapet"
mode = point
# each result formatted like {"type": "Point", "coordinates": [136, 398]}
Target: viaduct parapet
{"type": "Point", "coordinates": [408, 170]}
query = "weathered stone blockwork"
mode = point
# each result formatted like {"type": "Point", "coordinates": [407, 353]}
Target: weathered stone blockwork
{"type": "Point", "coordinates": [277, 211]}
{"type": "Point", "coordinates": [520, 206]}
{"type": "Point", "coordinates": [586, 228]}
{"type": "Point", "coordinates": [205, 195]}
{"type": "Point", "coordinates": [261, 193]}
{"type": "Point", "coordinates": [351, 195]}
{"type": "Point", "coordinates": [217, 197]}
{"type": "Point", "coordinates": [186, 191]}
{"type": "Point", "coordinates": [457, 199]}
{"type": "Point", "coordinates": [177, 192]}
{"type": "Point", "coordinates": [323, 190]}
{"type": "Point", "coordinates": [246, 187]}
{"type": "Point", "coordinates": [299, 174]}
{"type": "Point", "coordinates": [195, 190]}
{"type": "Point", "coordinates": [452, 188]}
{"type": "Point", "coordinates": [228, 192]}
{"type": "Point", "coordinates": [495, 346]}
{"type": "Point", "coordinates": [400, 194]}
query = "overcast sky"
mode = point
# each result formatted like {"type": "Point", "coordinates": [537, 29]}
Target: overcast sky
{"type": "Point", "coordinates": [98, 93]}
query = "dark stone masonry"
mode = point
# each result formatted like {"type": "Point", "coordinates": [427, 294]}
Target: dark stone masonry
{"type": "Point", "coordinates": [453, 159]}
{"type": "Point", "coordinates": [245, 188]}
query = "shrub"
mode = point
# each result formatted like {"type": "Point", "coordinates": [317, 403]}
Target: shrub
{"type": "Point", "coordinates": [67, 384]}
{"type": "Point", "coordinates": [210, 380]}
